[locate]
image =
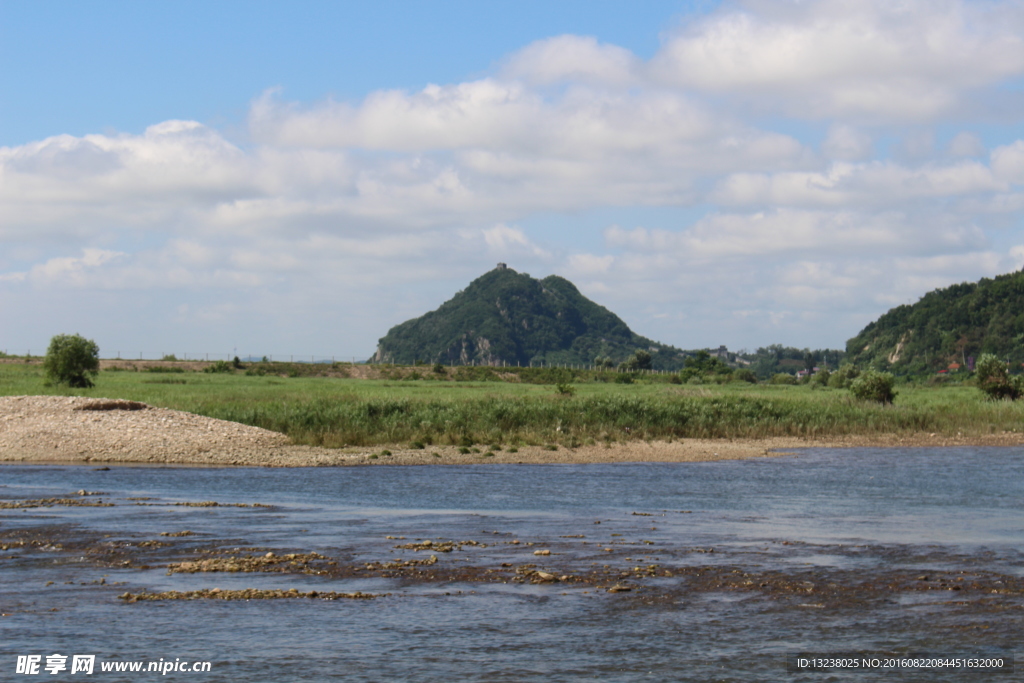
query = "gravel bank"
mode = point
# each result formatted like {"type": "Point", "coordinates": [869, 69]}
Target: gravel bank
{"type": "Point", "coordinates": [79, 429]}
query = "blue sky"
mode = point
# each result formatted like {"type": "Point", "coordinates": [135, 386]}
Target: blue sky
{"type": "Point", "coordinates": [298, 177]}
{"type": "Point", "coordinates": [90, 67]}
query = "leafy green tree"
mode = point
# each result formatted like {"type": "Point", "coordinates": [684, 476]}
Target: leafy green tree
{"type": "Point", "coordinates": [640, 360]}
{"type": "Point", "coordinates": [822, 377]}
{"type": "Point", "coordinates": [874, 386]}
{"type": "Point", "coordinates": [809, 362]}
{"type": "Point", "coordinates": [706, 364]}
{"type": "Point", "coordinates": [994, 379]}
{"type": "Point", "coordinates": [841, 378]}
{"type": "Point", "coordinates": [71, 360]}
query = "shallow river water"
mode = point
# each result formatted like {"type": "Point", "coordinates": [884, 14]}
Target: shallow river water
{"type": "Point", "coordinates": [719, 571]}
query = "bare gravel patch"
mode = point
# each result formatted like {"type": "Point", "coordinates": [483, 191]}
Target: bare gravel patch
{"type": "Point", "coordinates": [80, 429]}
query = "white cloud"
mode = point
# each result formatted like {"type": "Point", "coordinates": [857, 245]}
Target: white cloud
{"type": "Point", "coordinates": [846, 143]}
{"type": "Point", "coordinates": [965, 144]}
{"type": "Point", "coordinates": [573, 59]}
{"type": "Point", "coordinates": [403, 196]}
{"type": "Point", "coordinates": [875, 184]}
{"type": "Point", "coordinates": [1008, 162]}
{"type": "Point", "coordinates": [503, 240]}
{"type": "Point", "coordinates": [588, 264]}
{"type": "Point", "coordinates": [872, 59]}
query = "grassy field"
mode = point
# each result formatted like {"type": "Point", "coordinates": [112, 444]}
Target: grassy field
{"type": "Point", "coordinates": [340, 411]}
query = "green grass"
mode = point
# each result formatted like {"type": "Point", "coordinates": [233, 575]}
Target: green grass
{"type": "Point", "coordinates": [341, 412]}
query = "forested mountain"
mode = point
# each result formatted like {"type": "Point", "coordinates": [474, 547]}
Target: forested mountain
{"type": "Point", "coordinates": [947, 326]}
{"type": "Point", "coordinates": [505, 317]}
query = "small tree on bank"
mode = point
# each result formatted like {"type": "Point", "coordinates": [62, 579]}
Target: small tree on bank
{"type": "Point", "coordinates": [71, 360]}
{"type": "Point", "coordinates": [874, 386]}
{"type": "Point", "coordinates": [995, 381]}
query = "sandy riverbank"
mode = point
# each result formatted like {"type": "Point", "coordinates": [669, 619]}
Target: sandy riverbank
{"type": "Point", "coordinates": [88, 430]}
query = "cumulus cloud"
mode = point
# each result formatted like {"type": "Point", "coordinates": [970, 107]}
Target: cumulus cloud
{"type": "Point", "coordinates": [874, 60]}
{"type": "Point", "coordinates": [573, 59]}
{"type": "Point", "coordinates": [965, 144]}
{"type": "Point", "coordinates": [780, 227]}
{"type": "Point", "coordinates": [502, 239]}
{"type": "Point", "coordinates": [876, 184]}
{"type": "Point", "coordinates": [846, 143]}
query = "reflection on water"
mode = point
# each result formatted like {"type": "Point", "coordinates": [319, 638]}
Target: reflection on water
{"type": "Point", "coordinates": [730, 566]}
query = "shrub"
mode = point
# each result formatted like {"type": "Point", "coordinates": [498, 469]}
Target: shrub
{"type": "Point", "coordinates": [565, 389]}
{"type": "Point", "coordinates": [841, 378]}
{"type": "Point", "coordinates": [686, 374]}
{"type": "Point", "coordinates": [219, 366]}
{"type": "Point", "coordinates": [874, 386]}
{"type": "Point", "coordinates": [169, 356]}
{"type": "Point", "coordinates": [745, 375]}
{"type": "Point", "coordinates": [995, 381]}
{"type": "Point", "coordinates": [70, 360]}
{"type": "Point", "coordinates": [821, 378]}
{"type": "Point", "coordinates": [439, 369]}
{"type": "Point", "coordinates": [783, 378]}
{"type": "Point", "coordinates": [236, 363]}
{"type": "Point", "coordinates": [640, 360]}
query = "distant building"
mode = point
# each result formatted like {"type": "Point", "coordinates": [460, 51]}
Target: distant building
{"type": "Point", "coordinates": [502, 266]}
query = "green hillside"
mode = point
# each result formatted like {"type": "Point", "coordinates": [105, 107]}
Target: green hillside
{"type": "Point", "coordinates": [947, 326]}
{"type": "Point", "coordinates": [505, 317]}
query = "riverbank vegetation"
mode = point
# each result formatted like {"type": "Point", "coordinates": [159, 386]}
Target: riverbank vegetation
{"type": "Point", "coordinates": [427, 406]}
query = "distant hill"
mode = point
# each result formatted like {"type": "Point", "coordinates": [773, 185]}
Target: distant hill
{"type": "Point", "coordinates": [947, 326]}
{"type": "Point", "coordinates": [511, 318]}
